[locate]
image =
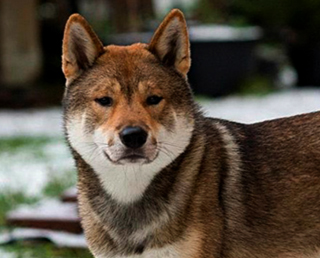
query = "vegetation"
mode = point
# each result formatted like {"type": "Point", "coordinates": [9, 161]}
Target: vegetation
{"type": "Point", "coordinates": [10, 199]}
{"type": "Point", "coordinates": [43, 250]}
{"type": "Point", "coordinates": [298, 20]}
{"type": "Point", "coordinates": [295, 20]}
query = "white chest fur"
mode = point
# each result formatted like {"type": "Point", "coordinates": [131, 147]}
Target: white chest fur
{"type": "Point", "coordinates": [166, 252]}
{"type": "Point", "coordinates": [126, 183]}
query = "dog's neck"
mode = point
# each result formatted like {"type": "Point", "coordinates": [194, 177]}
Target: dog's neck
{"type": "Point", "coordinates": [129, 184]}
{"type": "Point", "coordinates": [136, 221]}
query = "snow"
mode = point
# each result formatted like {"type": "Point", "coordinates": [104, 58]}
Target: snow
{"type": "Point", "coordinates": [46, 210]}
{"type": "Point", "coordinates": [4, 254]}
{"type": "Point", "coordinates": [255, 109]}
{"type": "Point", "coordinates": [59, 238]}
{"type": "Point", "coordinates": [23, 170]}
{"type": "Point", "coordinates": [45, 122]}
{"type": "Point", "coordinates": [208, 33]}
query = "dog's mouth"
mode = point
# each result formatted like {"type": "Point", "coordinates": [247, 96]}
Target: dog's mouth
{"type": "Point", "coordinates": [135, 158]}
{"type": "Point", "coordinates": [130, 157]}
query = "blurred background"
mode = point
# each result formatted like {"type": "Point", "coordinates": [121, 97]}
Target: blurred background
{"type": "Point", "coordinates": [251, 61]}
{"type": "Point", "coordinates": [238, 46]}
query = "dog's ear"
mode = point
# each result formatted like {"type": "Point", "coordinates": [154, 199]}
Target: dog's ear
{"type": "Point", "coordinates": [170, 43]}
{"type": "Point", "coordinates": [80, 48]}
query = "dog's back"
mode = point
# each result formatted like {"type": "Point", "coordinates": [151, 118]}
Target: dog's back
{"type": "Point", "coordinates": [271, 199]}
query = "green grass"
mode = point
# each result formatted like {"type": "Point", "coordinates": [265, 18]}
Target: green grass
{"type": "Point", "coordinates": [42, 250]}
{"type": "Point", "coordinates": [11, 144]}
{"type": "Point", "coordinates": [56, 186]}
{"type": "Point", "coordinates": [256, 85]}
{"type": "Point", "coordinates": [10, 201]}
{"type": "Point", "coordinates": [53, 189]}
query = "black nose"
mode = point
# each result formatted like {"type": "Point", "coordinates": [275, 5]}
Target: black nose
{"type": "Point", "coordinates": [133, 137]}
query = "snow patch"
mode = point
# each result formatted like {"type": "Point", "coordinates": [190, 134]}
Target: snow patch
{"type": "Point", "coordinates": [4, 254]}
{"type": "Point", "coordinates": [32, 122]}
{"type": "Point", "coordinates": [24, 171]}
{"type": "Point", "coordinates": [46, 210]}
{"type": "Point", "coordinates": [255, 109]}
{"type": "Point", "coordinates": [209, 33]}
{"type": "Point", "coordinates": [60, 239]}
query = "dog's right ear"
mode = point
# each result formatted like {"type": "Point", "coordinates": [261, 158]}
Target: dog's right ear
{"type": "Point", "coordinates": [80, 48]}
{"type": "Point", "coordinates": [170, 43]}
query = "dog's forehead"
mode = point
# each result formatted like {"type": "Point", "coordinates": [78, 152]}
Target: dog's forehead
{"type": "Point", "coordinates": [129, 67]}
{"type": "Point", "coordinates": [129, 48]}
{"type": "Point", "coordinates": [126, 56]}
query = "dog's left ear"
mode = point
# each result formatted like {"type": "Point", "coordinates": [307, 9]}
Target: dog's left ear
{"type": "Point", "coordinates": [170, 43]}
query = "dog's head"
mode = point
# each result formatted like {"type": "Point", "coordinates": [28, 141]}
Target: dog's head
{"type": "Point", "coordinates": [128, 105]}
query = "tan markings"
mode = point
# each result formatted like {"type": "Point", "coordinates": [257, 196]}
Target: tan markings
{"type": "Point", "coordinates": [234, 196]}
{"type": "Point", "coordinates": [192, 246]}
{"type": "Point", "coordinates": [147, 89]}
{"type": "Point", "coordinates": [105, 87]}
{"type": "Point", "coordinates": [111, 141]}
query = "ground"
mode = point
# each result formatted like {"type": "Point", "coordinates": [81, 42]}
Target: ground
{"type": "Point", "coordinates": [36, 164]}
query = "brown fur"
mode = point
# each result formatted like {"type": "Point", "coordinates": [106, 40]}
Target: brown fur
{"type": "Point", "coordinates": [236, 191]}
{"type": "Point", "coordinates": [163, 38]}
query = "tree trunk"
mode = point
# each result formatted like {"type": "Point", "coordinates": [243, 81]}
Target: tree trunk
{"type": "Point", "coordinates": [20, 52]}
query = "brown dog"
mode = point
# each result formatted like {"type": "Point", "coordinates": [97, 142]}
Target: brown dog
{"type": "Point", "coordinates": [158, 179]}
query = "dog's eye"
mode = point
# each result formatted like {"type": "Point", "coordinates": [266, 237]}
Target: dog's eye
{"type": "Point", "coordinates": [154, 100]}
{"type": "Point", "coordinates": [105, 101]}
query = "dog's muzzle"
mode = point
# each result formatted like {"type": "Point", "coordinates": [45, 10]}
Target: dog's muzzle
{"type": "Point", "coordinates": [134, 146]}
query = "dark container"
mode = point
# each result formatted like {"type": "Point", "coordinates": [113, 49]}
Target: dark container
{"type": "Point", "coordinates": [305, 59]}
{"type": "Point", "coordinates": [222, 58]}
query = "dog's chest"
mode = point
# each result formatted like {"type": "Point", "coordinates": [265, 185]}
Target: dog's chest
{"type": "Point", "coordinates": [165, 252]}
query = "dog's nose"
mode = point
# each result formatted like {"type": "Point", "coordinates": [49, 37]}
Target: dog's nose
{"type": "Point", "coordinates": [133, 137]}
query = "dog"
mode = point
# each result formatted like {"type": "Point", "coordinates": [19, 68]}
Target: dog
{"type": "Point", "coordinates": [158, 179]}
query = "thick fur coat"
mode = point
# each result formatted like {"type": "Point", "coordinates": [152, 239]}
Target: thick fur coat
{"type": "Point", "coordinates": [158, 179]}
